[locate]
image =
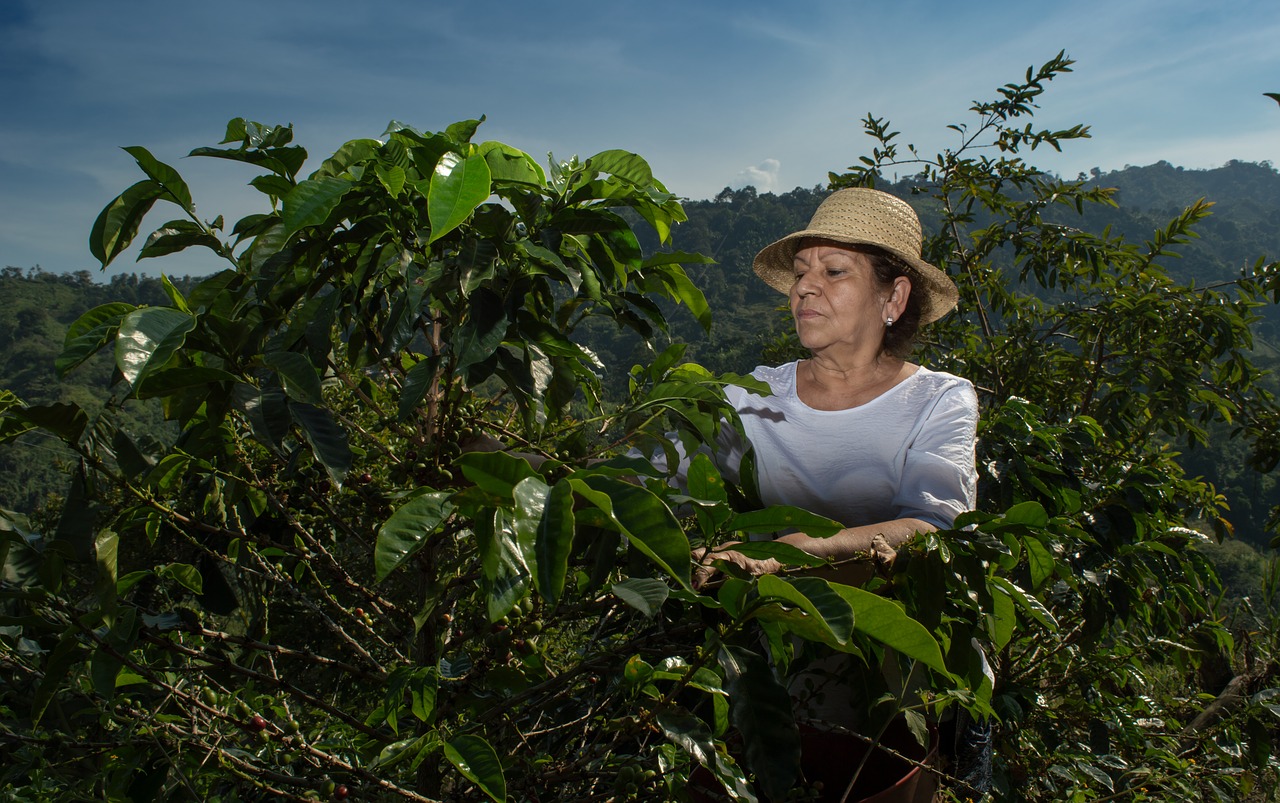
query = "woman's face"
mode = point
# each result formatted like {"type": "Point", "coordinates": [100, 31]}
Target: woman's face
{"type": "Point", "coordinates": [836, 302]}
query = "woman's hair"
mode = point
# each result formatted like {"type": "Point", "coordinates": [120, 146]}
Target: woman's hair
{"type": "Point", "coordinates": [900, 338]}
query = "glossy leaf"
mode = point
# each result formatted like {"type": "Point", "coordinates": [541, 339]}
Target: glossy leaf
{"type": "Point", "coordinates": [510, 164]}
{"type": "Point", "coordinates": [185, 575]}
{"type": "Point", "coordinates": [883, 620]}
{"type": "Point", "coordinates": [554, 542]}
{"type": "Point", "coordinates": [815, 597]}
{"type": "Point", "coordinates": [504, 574]}
{"type": "Point", "coordinates": [163, 175]}
{"type": "Point", "coordinates": [479, 337]}
{"type": "Point", "coordinates": [1040, 561]}
{"type": "Point", "coordinates": [311, 202]}
{"type": "Point", "coordinates": [496, 473]}
{"type": "Point", "coordinates": [408, 530]}
{"type": "Point", "coordinates": [148, 338]}
{"type": "Point", "coordinates": [119, 220]}
{"type": "Point", "coordinates": [692, 736]}
{"type": "Point", "coordinates": [643, 519]}
{"type": "Point", "coordinates": [67, 421]}
{"type": "Point", "coordinates": [645, 594]}
{"type": "Point", "coordinates": [457, 188]}
{"type": "Point", "coordinates": [781, 519]}
{"type": "Point", "coordinates": [416, 384]}
{"type": "Point", "coordinates": [299, 377]}
{"type": "Point", "coordinates": [624, 165]}
{"type": "Point", "coordinates": [476, 760]}
{"type": "Point", "coordinates": [89, 333]}
{"type": "Point", "coordinates": [177, 236]}
{"type": "Point", "coordinates": [328, 440]}
{"type": "Point", "coordinates": [171, 381]}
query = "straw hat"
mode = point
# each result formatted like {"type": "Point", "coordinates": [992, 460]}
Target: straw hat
{"type": "Point", "coordinates": [861, 216]}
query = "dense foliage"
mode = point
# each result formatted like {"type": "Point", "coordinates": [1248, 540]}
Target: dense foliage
{"type": "Point", "coordinates": [326, 586]}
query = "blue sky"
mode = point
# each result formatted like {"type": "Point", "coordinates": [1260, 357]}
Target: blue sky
{"type": "Point", "coordinates": [713, 94]}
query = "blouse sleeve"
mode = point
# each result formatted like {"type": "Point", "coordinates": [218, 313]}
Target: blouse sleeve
{"type": "Point", "coordinates": [940, 478]}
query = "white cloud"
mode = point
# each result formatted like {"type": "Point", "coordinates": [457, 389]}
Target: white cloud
{"type": "Point", "coordinates": [764, 176]}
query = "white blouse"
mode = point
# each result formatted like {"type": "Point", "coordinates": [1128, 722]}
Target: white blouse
{"type": "Point", "coordinates": [908, 453]}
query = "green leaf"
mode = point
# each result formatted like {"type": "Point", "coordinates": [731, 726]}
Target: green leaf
{"type": "Point", "coordinates": [311, 202]}
{"type": "Point", "coordinates": [392, 179]}
{"type": "Point", "coordinates": [408, 531]}
{"type": "Point", "coordinates": [476, 760]}
{"type": "Point", "coordinates": [61, 659]}
{"type": "Point", "coordinates": [163, 175]}
{"type": "Point", "coordinates": [148, 339]}
{"type": "Point", "coordinates": [692, 736]}
{"type": "Point", "coordinates": [457, 188]}
{"type": "Point", "coordinates": [118, 222]}
{"type": "Point", "coordinates": [65, 420]}
{"type": "Point", "coordinates": [643, 519]}
{"type": "Point", "coordinates": [78, 520]}
{"type": "Point", "coordinates": [482, 332]}
{"type": "Point", "coordinates": [623, 165]}
{"type": "Point", "coordinates": [177, 236]}
{"type": "Point", "coordinates": [684, 291]}
{"type": "Point", "coordinates": [1031, 514]}
{"type": "Point", "coordinates": [815, 597]}
{"type": "Point", "coordinates": [1003, 620]}
{"type": "Point", "coordinates": [1028, 602]}
{"type": "Point", "coordinates": [89, 333]}
{"type": "Point", "coordinates": [645, 594]}
{"type": "Point", "coordinates": [509, 164]}
{"type": "Point", "coordinates": [496, 473]}
{"type": "Point", "coordinates": [760, 708]}
{"type": "Point", "coordinates": [104, 667]}
{"type": "Point", "coordinates": [504, 574]}
{"type": "Point", "coordinates": [299, 377]}
{"type": "Point", "coordinates": [784, 553]}
{"type": "Point", "coordinates": [783, 518]}
{"type": "Point", "coordinates": [416, 384]}
{"type": "Point", "coordinates": [328, 440]}
{"type": "Point", "coordinates": [1039, 560]}
{"type": "Point", "coordinates": [184, 574]}
{"type": "Point", "coordinates": [171, 381]}
{"type": "Point", "coordinates": [884, 621]}
{"type": "Point", "coordinates": [554, 541]}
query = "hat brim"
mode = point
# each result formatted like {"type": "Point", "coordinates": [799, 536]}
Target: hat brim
{"type": "Point", "coordinates": [775, 265]}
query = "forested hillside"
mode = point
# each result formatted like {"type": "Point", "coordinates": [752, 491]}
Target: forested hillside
{"type": "Point", "coordinates": [39, 307]}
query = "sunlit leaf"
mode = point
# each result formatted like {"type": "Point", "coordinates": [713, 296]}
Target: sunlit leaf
{"type": "Point", "coordinates": [476, 760]}
{"type": "Point", "coordinates": [148, 338]}
{"type": "Point", "coordinates": [645, 594]}
{"type": "Point", "coordinates": [882, 619]}
{"type": "Point", "coordinates": [311, 202]}
{"type": "Point", "coordinates": [408, 530]}
{"type": "Point", "coordinates": [457, 188]}
{"type": "Point", "coordinates": [119, 220]}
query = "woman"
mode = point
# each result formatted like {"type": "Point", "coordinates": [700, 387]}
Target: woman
{"type": "Point", "coordinates": [856, 432]}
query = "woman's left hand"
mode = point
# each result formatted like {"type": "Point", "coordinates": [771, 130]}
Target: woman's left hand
{"type": "Point", "coordinates": [706, 569]}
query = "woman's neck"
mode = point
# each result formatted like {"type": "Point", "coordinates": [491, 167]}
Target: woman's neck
{"type": "Point", "coordinates": [825, 384]}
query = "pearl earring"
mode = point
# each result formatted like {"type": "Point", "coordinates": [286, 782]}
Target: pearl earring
{"type": "Point", "coordinates": [888, 322]}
